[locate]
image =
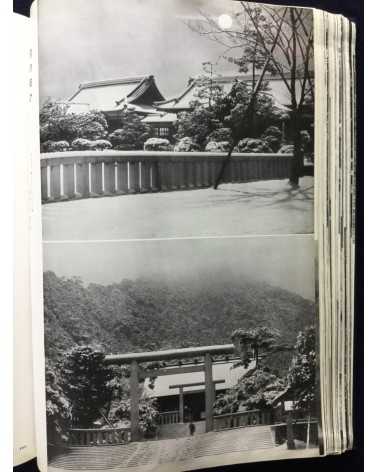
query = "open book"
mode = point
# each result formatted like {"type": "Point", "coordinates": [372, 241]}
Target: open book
{"type": "Point", "coordinates": [190, 278]}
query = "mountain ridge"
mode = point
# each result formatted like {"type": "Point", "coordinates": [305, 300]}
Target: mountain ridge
{"type": "Point", "coordinates": [144, 315]}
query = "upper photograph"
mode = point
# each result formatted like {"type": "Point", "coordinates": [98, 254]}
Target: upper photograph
{"type": "Point", "coordinates": [175, 119]}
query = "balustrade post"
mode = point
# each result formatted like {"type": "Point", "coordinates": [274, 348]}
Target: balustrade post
{"type": "Point", "coordinates": [44, 183]}
{"type": "Point", "coordinates": [69, 180]}
{"type": "Point", "coordinates": [197, 173]}
{"type": "Point", "coordinates": [165, 174]}
{"type": "Point", "coordinates": [154, 176]}
{"type": "Point", "coordinates": [122, 176]}
{"type": "Point", "coordinates": [96, 179]}
{"type": "Point", "coordinates": [109, 176]}
{"type": "Point", "coordinates": [283, 160]}
{"type": "Point", "coordinates": [172, 170]}
{"type": "Point", "coordinates": [87, 175]}
{"type": "Point", "coordinates": [55, 184]}
{"type": "Point", "coordinates": [133, 176]}
{"type": "Point", "coordinates": [206, 173]}
{"type": "Point", "coordinates": [145, 185]}
{"type": "Point", "coordinates": [227, 176]}
{"type": "Point", "coordinates": [244, 170]}
{"type": "Point", "coordinates": [82, 179]}
{"type": "Point", "coordinates": [180, 174]}
{"type": "Point", "coordinates": [234, 169]}
{"type": "Point", "coordinates": [258, 168]}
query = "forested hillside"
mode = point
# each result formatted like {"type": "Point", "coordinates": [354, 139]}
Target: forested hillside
{"type": "Point", "coordinates": [148, 315]}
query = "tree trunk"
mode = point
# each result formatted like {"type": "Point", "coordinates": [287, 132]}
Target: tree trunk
{"type": "Point", "coordinates": [297, 163]}
{"type": "Point", "coordinates": [308, 431]}
{"type": "Point", "coordinates": [290, 431]}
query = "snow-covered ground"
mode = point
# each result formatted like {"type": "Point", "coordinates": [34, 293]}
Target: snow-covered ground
{"type": "Point", "coordinates": [265, 207]}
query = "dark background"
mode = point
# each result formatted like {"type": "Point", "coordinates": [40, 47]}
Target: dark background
{"type": "Point", "coordinates": [351, 460]}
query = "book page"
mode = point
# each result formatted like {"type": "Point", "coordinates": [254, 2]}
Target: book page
{"type": "Point", "coordinates": [23, 407]}
{"type": "Point", "coordinates": [177, 191]}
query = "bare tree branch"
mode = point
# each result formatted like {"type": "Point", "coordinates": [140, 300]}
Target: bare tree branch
{"type": "Point", "coordinates": [254, 92]}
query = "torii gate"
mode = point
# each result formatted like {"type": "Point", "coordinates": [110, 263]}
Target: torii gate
{"type": "Point", "coordinates": [187, 385]}
{"type": "Point", "coordinates": [134, 359]}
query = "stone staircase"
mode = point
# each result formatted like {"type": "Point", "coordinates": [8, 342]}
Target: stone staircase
{"type": "Point", "coordinates": [94, 457]}
{"type": "Point", "coordinates": [152, 453]}
{"type": "Point", "coordinates": [179, 430]}
{"type": "Point", "coordinates": [223, 442]}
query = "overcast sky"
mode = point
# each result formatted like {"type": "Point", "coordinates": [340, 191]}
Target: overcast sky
{"type": "Point", "coordinates": [283, 261]}
{"type": "Point", "coordinates": [85, 40]}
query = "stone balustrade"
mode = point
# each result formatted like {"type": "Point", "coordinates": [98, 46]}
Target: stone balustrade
{"type": "Point", "coordinates": [242, 418]}
{"type": "Point", "coordinates": [169, 417]}
{"type": "Point", "coordinates": [83, 174]}
{"type": "Point", "coordinates": [98, 437]}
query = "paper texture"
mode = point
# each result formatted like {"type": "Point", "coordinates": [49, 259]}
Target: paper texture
{"type": "Point", "coordinates": [23, 407]}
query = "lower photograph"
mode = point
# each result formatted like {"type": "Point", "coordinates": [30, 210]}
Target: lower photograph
{"type": "Point", "coordinates": [180, 354]}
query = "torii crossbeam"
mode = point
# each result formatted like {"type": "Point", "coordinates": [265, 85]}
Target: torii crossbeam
{"type": "Point", "coordinates": [194, 384]}
{"type": "Point", "coordinates": [134, 359]}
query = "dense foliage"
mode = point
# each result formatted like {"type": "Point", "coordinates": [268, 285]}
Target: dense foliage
{"type": "Point", "coordinates": [157, 144]}
{"type": "Point", "coordinates": [278, 41]}
{"type": "Point", "coordinates": [260, 385]}
{"type": "Point", "coordinates": [255, 390]}
{"type": "Point", "coordinates": [58, 407]}
{"type": "Point", "coordinates": [57, 124]}
{"type": "Point", "coordinates": [235, 111]}
{"type": "Point", "coordinates": [196, 124]}
{"type": "Point", "coordinates": [273, 136]}
{"type": "Point", "coordinates": [251, 343]}
{"type": "Point", "coordinates": [148, 415]}
{"type": "Point", "coordinates": [133, 133]}
{"type": "Point", "coordinates": [148, 314]}
{"type": "Point", "coordinates": [186, 144]}
{"type": "Point", "coordinates": [87, 383]}
{"type": "Point", "coordinates": [219, 117]}
{"type": "Point", "coordinates": [301, 377]}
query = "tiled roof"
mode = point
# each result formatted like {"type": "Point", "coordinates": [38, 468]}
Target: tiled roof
{"type": "Point", "coordinates": [220, 371]}
{"type": "Point", "coordinates": [111, 95]}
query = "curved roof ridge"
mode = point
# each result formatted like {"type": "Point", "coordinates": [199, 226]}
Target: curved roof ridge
{"type": "Point", "coordinates": [119, 81]}
{"type": "Point", "coordinates": [177, 98]}
{"type": "Point", "coordinates": [131, 88]}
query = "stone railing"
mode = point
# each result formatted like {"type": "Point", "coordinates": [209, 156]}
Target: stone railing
{"type": "Point", "coordinates": [240, 419]}
{"type": "Point", "coordinates": [69, 175]}
{"type": "Point", "coordinates": [169, 417]}
{"type": "Point", "coordinates": [98, 437]}
{"type": "Point", "coordinates": [301, 429]}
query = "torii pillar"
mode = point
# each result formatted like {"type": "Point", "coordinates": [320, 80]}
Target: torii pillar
{"type": "Point", "coordinates": [181, 403]}
{"type": "Point", "coordinates": [134, 401]}
{"type": "Point", "coordinates": [209, 392]}
{"type": "Point", "coordinates": [181, 393]}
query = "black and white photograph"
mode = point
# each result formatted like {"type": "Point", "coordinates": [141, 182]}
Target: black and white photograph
{"type": "Point", "coordinates": [196, 117]}
{"type": "Point", "coordinates": [179, 274]}
{"type": "Point", "coordinates": [187, 352]}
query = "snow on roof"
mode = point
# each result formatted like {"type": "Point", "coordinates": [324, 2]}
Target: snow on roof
{"type": "Point", "coordinates": [141, 108]}
{"type": "Point", "coordinates": [220, 371]}
{"type": "Point", "coordinates": [110, 95]}
{"type": "Point", "coordinates": [276, 88]}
